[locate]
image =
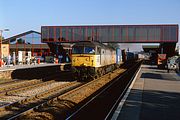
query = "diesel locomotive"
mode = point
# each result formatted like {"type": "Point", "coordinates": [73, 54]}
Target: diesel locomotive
{"type": "Point", "coordinates": [92, 59]}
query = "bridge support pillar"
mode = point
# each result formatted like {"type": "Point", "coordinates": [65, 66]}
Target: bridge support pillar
{"type": "Point", "coordinates": [168, 49]}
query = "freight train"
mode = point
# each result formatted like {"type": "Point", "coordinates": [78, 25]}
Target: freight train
{"type": "Point", "coordinates": [92, 59]}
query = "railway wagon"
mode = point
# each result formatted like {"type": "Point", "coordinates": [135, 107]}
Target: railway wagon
{"type": "Point", "coordinates": [124, 57]}
{"type": "Point", "coordinates": [118, 56]}
{"type": "Point", "coordinates": [130, 56]}
{"type": "Point", "coordinates": [92, 59]}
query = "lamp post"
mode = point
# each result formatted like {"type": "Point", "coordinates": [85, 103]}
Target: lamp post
{"type": "Point", "coordinates": [1, 31]}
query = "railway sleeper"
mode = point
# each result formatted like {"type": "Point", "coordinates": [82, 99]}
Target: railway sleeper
{"type": "Point", "coordinates": [2, 109]}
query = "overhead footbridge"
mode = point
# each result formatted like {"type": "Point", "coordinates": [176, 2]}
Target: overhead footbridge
{"type": "Point", "coordinates": [165, 34]}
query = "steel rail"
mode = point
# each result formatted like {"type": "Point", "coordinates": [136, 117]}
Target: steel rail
{"type": "Point", "coordinates": [121, 95]}
{"type": "Point", "coordinates": [9, 81]}
{"type": "Point", "coordinates": [73, 92]}
{"type": "Point", "coordinates": [19, 84]}
{"type": "Point", "coordinates": [93, 98]}
{"type": "Point", "coordinates": [44, 96]}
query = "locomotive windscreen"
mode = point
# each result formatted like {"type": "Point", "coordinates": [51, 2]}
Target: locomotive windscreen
{"type": "Point", "coordinates": [78, 50]}
{"type": "Point", "coordinates": [83, 50]}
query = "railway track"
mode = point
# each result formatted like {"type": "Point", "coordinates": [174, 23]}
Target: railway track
{"type": "Point", "coordinates": [66, 102]}
{"type": "Point", "coordinates": [61, 107]}
{"type": "Point", "coordinates": [103, 104]}
{"type": "Point", "coordinates": [13, 109]}
{"type": "Point", "coordinates": [17, 84]}
{"type": "Point", "coordinates": [15, 87]}
{"type": "Point", "coordinates": [30, 87]}
{"type": "Point", "coordinates": [2, 83]}
{"type": "Point", "coordinates": [17, 94]}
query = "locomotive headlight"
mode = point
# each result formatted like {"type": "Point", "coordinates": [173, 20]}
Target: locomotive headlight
{"type": "Point", "coordinates": [83, 64]}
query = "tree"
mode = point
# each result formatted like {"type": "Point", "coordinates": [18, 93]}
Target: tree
{"type": "Point", "coordinates": [20, 41]}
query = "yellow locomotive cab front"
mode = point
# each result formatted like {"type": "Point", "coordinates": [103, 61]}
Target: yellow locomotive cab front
{"type": "Point", "coordinates": [83, 60]}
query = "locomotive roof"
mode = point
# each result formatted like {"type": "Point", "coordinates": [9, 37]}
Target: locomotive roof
{"type": "Point", "coordinates": [92, 44]}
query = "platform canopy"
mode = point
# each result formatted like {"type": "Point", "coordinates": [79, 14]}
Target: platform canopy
{"type": "Point", "coordinates": [111, 33]}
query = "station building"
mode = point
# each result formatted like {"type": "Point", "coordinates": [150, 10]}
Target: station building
{"type": "Point", "coordinates": [29, 41]}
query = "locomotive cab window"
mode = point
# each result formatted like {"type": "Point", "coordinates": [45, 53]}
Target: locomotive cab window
{"type": "Point", "coordinates": [78, 50]}
{"type": "Point", "coordinates": [90, 50]}
{"type": "Point", "coordinates": [83, 50]}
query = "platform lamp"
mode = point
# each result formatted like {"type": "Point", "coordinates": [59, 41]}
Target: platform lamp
{"type": "Point", "coordinates": [1, 31]}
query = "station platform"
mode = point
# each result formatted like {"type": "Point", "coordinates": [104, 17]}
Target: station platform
{"type": "Point", "coordinates": [155, 95]}
{"type": "Point", "coordinates": [21, 66]}
{"type": "Point", "coordinates": [34, 71]}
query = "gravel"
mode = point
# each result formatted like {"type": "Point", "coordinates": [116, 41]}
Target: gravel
{"type": "Point", "coordinates": [24, 94]}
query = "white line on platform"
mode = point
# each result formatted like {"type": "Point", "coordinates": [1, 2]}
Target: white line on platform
{"type": "Point", "coordinates": [118, 110]}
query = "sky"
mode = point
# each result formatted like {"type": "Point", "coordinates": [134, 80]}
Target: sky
{"type": "Point", "coordinates": [24, 15]}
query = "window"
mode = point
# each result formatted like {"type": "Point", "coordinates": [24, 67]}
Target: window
{"type": "Point", "coordinates": [83, 34]}
{"type": "Point", "coordinates": [33, 38]}
{"type": "Point", "coordinates": [63, 34]}
{"type": "Point", "coordinates": [95, 34]}
{"type": "Point", "coordinates": [90, 50]}
{"type": "Point", "coordinates": [123, 34]}
{"type": "Point", "coordinates": [141, 34]}
{"type": "Point", "coordinates": [44, 34]}
{"type": "Point", "coordinates": [173, 34]}
{"type": "Point", "coordinates": [70, 31]}
{"type": "Point", "coordinates": [51, 34]}
{"type": "Point", "coordinates": [57, 34]}
{"type": "Point", "coordinates": [89, 34]}
{"type": "Point", "coordinates": [78, 50]}
{"type": "Point", "coordinates": [169, 33]}
{"type": "Point", "coordinates": [103, 34]}
{"type": "Point", "coordinates": [154, 33]}
{"type": "Point", "coordinates": [117, 34]}
{"type": "Point", "coordinates": [131, 31]}
{"type": "Point", "coordinates": [83, 50]}
{"type": "Point", "coordinates": [76, 34]}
